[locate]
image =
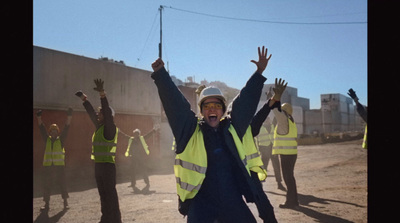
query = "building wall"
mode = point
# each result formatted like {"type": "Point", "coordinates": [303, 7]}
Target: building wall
{"type": "Point", "coordinates": [58, 75]}
{"type": "Point", "coordinates": [131, 93]}
{"type": "Point", "coordinates": [339, 113]}
{"type": "Point", "coordinates": [191, 96]}
{"type": "Point", "coordinates": [313, 120]}
{"type": "Point", "coordinates": [288, 96]}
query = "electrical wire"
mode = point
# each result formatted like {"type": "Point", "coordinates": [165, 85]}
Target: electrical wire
{"type": "Point", "coordinates": [147, 39]}
{"type": "Point", "coordinates": [266, 21]}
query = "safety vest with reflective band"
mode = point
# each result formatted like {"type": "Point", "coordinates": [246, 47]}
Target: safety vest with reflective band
{"type": "Point", "coordinates": [54, 156]}
{"type": "Point", "coordinates": [191, 165]}
{"type": "Point", "coordinates": [173, 144]}
{"type": "Point", "coordinates": [364, 145]}
{"type": "Point", "coordinates": [286, 144]}
{"type": "Point", "coordinates": [144, 144]}
{"type": "Point", "coordinates": [103, 150]}
{"type": "Point", "coordinates": [252, 159]}
{"type": "Point", "coordinates": [265, 138]}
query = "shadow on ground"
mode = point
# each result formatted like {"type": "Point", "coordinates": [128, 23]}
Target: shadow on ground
{"type": "Point", "coordinates": [305, 201]}
{"type": "Point", "coordinates": [44, 217]}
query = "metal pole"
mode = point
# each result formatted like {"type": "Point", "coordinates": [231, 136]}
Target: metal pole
{"type": "Point", "coordinates": [160, 44]}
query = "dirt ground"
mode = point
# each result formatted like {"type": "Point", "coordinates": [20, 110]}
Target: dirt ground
{"type": "Point", "coordinates": [331, 184]}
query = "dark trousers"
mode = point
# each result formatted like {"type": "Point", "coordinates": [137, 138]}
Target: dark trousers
{"type": "Point", "coordinates": [138, 167]}
{"type": "Point", "coordinates": [266, 154]}
{"type": "Point", "coordinates": [54, 175]}
{"type": "Point", "coordinates": [105, 174]}
{"type": "Point", "coordinates": [206, 210]}
{"type": "Point", "coordinates": [288, 162]}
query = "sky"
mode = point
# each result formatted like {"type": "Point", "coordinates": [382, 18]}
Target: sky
{"type": "Point", "coordinates": [315, 58]}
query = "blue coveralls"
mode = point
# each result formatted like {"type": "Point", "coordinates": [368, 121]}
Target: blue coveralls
{"type": "Point", "coordinates": [220, 197]}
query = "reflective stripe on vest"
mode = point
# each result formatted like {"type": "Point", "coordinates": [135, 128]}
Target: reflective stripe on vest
{"type": "Point", "coordinates": [54, 156]}
{"type": "Point", "coordinates": [103, 150]}
{"type": "Point", "coordinates": [173, 144]}
{"type": "Point", "coordinates": [191, 165]}
{"type": "Point", "coordinates": [364, 144]}
{"type": "Point", "coordinates": [265, 138]}
{"type": "Point", "coordinates": [285, 144]}
{"type": "Point", "coordinates": [185, 186]}
{"type": "Point", "coordinates": [253, 155]}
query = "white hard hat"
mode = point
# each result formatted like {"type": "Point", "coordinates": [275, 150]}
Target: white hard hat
{"type": "Point", "coordinates": [211, 92]}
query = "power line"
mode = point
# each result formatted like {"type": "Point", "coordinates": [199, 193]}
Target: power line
{"type": "Point", "coordinates": [147, 39]}
{"type": "Point", "coordinates": [265, 21]}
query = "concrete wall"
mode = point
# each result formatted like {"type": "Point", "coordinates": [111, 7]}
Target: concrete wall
{"type": "Point", "coordinates": [58, 75]}
{"type": "Point", "coordinates": [313, 121]}
{"type": "Point", "coordinates": [131, 93]}
{"type": "Point", "coordinates": [191, 96]}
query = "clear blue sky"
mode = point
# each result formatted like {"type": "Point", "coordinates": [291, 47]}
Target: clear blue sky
{"type": "Point", "coordinates": [315, 59]}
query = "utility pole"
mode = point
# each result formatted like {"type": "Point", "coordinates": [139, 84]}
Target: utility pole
{"type": "Point", "coordinates": [160, 44]}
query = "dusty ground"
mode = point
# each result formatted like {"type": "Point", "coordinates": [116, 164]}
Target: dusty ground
{"type": "Point", "coordinates": [331, 182]}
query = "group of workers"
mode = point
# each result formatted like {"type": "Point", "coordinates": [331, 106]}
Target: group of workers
{"type": "Point", "coordinates": [217, 160]}
{"type": "Point", "coordinates": [104, 142]}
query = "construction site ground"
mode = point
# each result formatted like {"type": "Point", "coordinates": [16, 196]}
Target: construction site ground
{"type": "Point", "coordinates": [331, 184]}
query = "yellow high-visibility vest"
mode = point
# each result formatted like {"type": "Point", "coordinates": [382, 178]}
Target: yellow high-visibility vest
{"type": "Point", "coordinates": [173, 144]}
{"type": "Point", "coordinates": [286, 144]}
{"type": "Point", "coordinates": [252, 159]}
{"type": "Point", "coordinates": [266, 138]}
{"type": "Point", "coordinates": [144, 145]}
{"type": "Point", "coordinates": [191, 165]}
{"type": "Point", "coordinates": [364, 145]}
{"type": "Point", "coordinates": [103, 150]}
{"type": "Point", "coordinates": [55, 155]}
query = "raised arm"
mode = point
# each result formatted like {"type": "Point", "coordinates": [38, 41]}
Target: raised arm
{"type": "Point", "coordinates": [42, 128]}
{"type": "Point", "coordinates": [65, 130]}
{"type": "Point", "coordinates": [109, 126]}
{"type": "Point", "coordinates": [273, 102]}
{"type": "Point", "coordinates": [181, 118]}
{"type": "Point", "coordinates": [88, 107]}
{"type": "Point", "coordinates": [151, 132]}
{"type": "Point", "coordinates": [362, 111]}
{"type": "Point", "coordinates": [245, 104]}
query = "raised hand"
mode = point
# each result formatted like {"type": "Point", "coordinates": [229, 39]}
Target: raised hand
{"type": "Point", "coordinates": [279, 88]}
{"type": "Point", "coordinates": [157, 65]}
{"type": "Point", "coordinates": [352, 94]}
{"type": "Point", "coordinates": [81, 95]}
{"type": "Point", "coordinates": [99, 85]}
{"type": "Point", "coordinates": [262, 60]}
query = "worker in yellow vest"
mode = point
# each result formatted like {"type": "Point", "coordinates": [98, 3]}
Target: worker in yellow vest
{"type": "Point", "coordinates": [138, 153]}
{"type": "Point", "coordinates": [265, 141]}
{"type": "Point", "coordinates": [104, 145]}
{"type": "Point", "coordinates": [54, 158]}
{"type": "Point", "coordinates": [285, 144]}
{"type": "Point", "coordinates": [216, 163]}
{"type": "Point", "coordinates": [263, 128]}
{"type": "Point", "coordinates": [362, 111]}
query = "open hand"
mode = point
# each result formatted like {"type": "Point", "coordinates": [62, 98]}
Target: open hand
{"type": "Point", "coordinates": [352, 94]}
{"type": "Point", "coordinates": [279, 88]}
{"type": "Point", "coordinates": [99, 85]}
{"type": "Point", "coordinates": [262, 60]}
